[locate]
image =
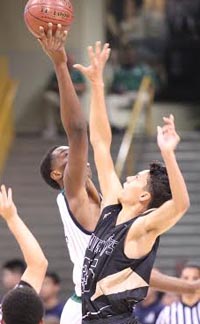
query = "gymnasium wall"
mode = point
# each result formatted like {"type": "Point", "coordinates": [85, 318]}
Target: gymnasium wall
{"type": "Point", "coordinates": [27, 62]}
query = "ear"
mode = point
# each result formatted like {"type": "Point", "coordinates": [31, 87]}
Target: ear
{"type": "Point", "coordinates": [56, 175]}
{"type": "Point", "coordinates": [145, 196]}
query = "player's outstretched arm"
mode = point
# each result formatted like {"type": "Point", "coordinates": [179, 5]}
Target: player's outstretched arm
{"type": "Point", "coordinates": [171, 211]}
{"type": "Point", "coordinates": [100, 132]}
{"type": "Point", "coordinates": [165, 283]}
{"type": "Point", "coordinates": [71, 114]}
{"type": "Point", "coordinates": [32, 252]}
{"type": "Point", "coordinates": [147, 229]}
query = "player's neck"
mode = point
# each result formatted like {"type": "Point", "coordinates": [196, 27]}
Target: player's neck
{"type": "Point", "coordinates": [129, 212]}
{"type": "Point", "coordinates": [190, 299]}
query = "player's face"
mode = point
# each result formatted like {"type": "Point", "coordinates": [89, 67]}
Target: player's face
{"type": "Point", "coordinates": [135, 185]}
{"type": "Point", "coordinates": [190, 274]}
{"type": "Point", "coordinates": [60, 158]}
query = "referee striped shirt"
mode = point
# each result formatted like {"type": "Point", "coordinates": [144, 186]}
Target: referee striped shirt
{"type": "Point", "coordinates": [179, 313]}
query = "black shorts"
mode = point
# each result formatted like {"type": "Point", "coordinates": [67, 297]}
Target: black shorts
{"type": "Point", "coordinates": [121, 319]}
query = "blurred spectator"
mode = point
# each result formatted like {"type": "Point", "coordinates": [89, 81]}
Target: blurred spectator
{"type": "Point", "coordinates": [12, 271]}
{"type": "Point", "coordinates": [111, 68]}
{"type": "Point", "coordinates": [124, 87]}
{"type": "Point", "coordinates": [183, 18]}
{"type": "Point", "coordinates": [187, 310]}
{"type": "Point", "coordinates": [51, 98]}
{"type": "Point", "coordinates": [114, 15]}
{"type": "Point", "coordinates": [50, 296]}
{"type": "Point", "coordinates": [148, 310]}
{"type": "Point", "coordinates": [155, 19]}
{"type": "Point", "coordinates": [132, 26]}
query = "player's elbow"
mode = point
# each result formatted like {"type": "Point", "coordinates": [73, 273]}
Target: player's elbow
{"type": "Point", "coordinates": [181, 207]}
{"type": "Point", "coordinates": [184, 205]}
{"type": "Point", "coordinates": [45, 263]}
{"type": "Point", "coordinates": [42, 264]}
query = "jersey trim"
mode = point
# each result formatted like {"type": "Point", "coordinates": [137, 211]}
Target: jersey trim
{"type": "Point", "coordinates": [73, 218]}
{"type": "Point", "coordinates": [76, 298]}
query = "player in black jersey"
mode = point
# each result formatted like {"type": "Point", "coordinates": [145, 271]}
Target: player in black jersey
{"type": "Point", "coordinates": [122, 249]}
{"type": "Point", "coordinates": [22, 305]}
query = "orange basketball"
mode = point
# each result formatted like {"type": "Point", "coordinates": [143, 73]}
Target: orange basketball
{"type": "Point", "coordinates": [41, 12]}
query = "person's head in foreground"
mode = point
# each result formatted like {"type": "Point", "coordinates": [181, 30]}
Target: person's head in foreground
{"type": "Point", "coordinates": [22, 306]}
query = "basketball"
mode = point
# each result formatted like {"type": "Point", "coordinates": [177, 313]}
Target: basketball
{"type": "Point", "coordinates": [41, 12]}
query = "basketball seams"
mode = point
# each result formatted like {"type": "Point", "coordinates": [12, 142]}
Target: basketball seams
{"type": "Point", "coordinates": [69, 9]}
{"type": "Point", "coordinates": [57, 20]}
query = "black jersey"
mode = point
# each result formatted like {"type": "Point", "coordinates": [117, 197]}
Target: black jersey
{"type": "Point", "coordinates": [112, 283]}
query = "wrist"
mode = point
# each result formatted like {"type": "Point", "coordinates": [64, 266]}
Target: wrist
{"type": "Point", "coordinates": [97, 83]}
{"type": "Point", "coordinates": [11, 219]}
{"type": "Point", "coordinates": [60, 64]}
{"type": "Point", "coordinates": [167, 154]}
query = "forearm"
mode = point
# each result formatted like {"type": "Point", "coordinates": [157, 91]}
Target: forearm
{"type": "Point", "coordinates": [71, 114]}
{"type": "Point", "coordinates": [164, 283]}
{"type": "Point", "coordinates": [178, 187]}
{"type": "Point", "coordinates": [99, 124]}
{"type": "Point", "coordinates": [31, 250]}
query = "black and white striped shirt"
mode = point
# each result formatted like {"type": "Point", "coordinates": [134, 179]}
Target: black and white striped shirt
{"type": "Point", "coordinates": [179, 313]}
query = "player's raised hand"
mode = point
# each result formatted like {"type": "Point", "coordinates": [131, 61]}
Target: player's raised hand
{"type": "Point", "coordinates": [53, 44]}
{"type": "Point", "coordinates": [98, 57]}
{"type": "Point", "coordinates": [167, 137]}
{"type": "Point", "coordinates": [7, 206]}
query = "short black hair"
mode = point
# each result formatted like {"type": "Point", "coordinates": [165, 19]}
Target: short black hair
{"type": "Point", "coordinates": [54, 277]}
{"type": "Point", "coordinates": [15, 265]}
{"type": "Point", "coordinates": [158, 185]}
{"type": "Point", "coordinates": [46, 168]}
{"type": "Point", "coordinates": [22, 306]}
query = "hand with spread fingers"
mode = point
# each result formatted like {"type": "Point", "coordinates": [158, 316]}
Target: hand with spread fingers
{"type": "Point", "coordinates": [167, 137]}
{"type": "Point", "coordinates": [7, 206]}
{"type": "Point", "coordinates": [53, 44]}
{"type": "Point", "coordinates": [98, 57]}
